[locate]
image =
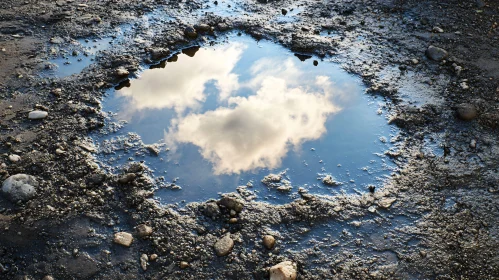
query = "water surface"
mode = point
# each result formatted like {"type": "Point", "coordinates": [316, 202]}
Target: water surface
{"type": "Point", "coordinates": [235, 112]}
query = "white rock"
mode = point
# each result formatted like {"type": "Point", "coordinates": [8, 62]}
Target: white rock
{"type": "Point", "coordinates": [14, 158]}
{"type": "Point", "coordinates": [37, 115]}
{"type": "Point", "coordinates": [19, 187]}
{"type": "Point", "coordinates": [283, 271]}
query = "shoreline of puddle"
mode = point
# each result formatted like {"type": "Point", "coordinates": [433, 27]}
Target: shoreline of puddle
{"type": "Point", "coordinates": [261, 191]}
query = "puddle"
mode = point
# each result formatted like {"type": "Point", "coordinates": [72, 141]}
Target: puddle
{"type": "Point", "coordinates": [232, 113]}
{"type": "Point", "coordinates": [80, 54]}
{"type": "Point", "coordinates": [288, 15]}
{"type": "Point", "coordinates": [72, 57]}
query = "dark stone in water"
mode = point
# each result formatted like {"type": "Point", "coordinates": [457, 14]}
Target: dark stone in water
{"type": "Point", "coordinates": [303, 57]}
{"type": "Point", "coordinates": [466, 111]}
{"type": "Point", "coordinates": [190, 51]}
{"type": "Point", "coordinates": [284, 12]}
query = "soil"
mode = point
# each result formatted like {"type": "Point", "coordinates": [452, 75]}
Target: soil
{"type": "Point", "coordinates": [437, 218]}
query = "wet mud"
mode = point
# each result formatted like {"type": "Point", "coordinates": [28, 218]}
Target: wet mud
{"type": "Point", "coordinates": [433, 63]}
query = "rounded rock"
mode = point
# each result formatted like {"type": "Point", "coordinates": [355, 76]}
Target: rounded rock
{"type": "Point", "coordinates": [37, 115]}
{"type": "Point", "coordinates": [20, 187]}
{"type": "Point", "coordinates": [269, 242]}
{"type": "Point", "coordinates": [190, 32]}
{"type": "Point", "coordinates": [224, 246]}
{"type": "Point", "coordinates": [437, 54]}
{"type": "Point", "coordinates": [144, 230]}
{"type": "Point", "coordinates": [283, 271]}
{"type": "Point", "coordinates": [184, 265]}
{"type": "Point", "coordinates": [466, 111]}
{"type": "Point", "coordinates": [14, 158]}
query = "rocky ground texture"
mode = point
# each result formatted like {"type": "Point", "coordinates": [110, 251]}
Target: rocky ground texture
{"type": "Point", "coordinates": [62, 217]}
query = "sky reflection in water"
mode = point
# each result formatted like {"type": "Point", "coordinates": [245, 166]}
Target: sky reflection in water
{"type": "Point", "coordinates": [238, 111]}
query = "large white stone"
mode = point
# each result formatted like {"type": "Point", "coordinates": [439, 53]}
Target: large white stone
{"type": "Point", "coordinates": [19, 187]}
{"type": "Point", "coordinates": [37, 115]}
{"type": "Point", "coordinates": [283, 271]}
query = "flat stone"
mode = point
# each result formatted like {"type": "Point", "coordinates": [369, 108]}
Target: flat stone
{"type": "Point", "coordinates": [37, 115]}
{"type": "Point", "coordinates": [386, 202]}
{"type": "Point", "coordinates": [123, 238]}
{"type": "Point", "coordinates": [437, 54]}
{"type": "Point", "coordinates": [224, 246]}
{"type": "Point", "coordinates": [283, 271]}
{"type": "Point", "coordinates": [20, 187]}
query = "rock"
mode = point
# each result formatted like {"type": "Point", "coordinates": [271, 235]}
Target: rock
{"type": "Point", "coordinates": [415, 61]}
{"type": "Point", "coordinates": [127, 178]}
{"type": "Point", "coordinates": [330, 181]}
{"type": "Point", "coordinates": [20, 187]}
{"type": "Point", "coordinates": [184, 265]}
{"type": "Point", "coordinates": [56, 40]}
{"type": "Point", "coordinates": [437, 29]}
{"type": "Point", "coordinates": [283, 271]}
{"type": "Point", "coordinates": [143, 261]}
{"type": "Point", "coordinates": [466, 111]}
{"type": "Point", "coordinates": [233, 221]}
{"type": "Point", "coordinates": [48, 277]}
{"type": "Point", "coordinates": [57, 92]}
{"type": "Point", "coordinates": [37, 115]}
{"type": "Point", "coordinates": [473, 144]}
{"type": "Point", "coordinates": [153, 149]}
{"type": "Point", "coordinates": [159, 53]}
{"type": "Point", "coordinates": [437, 54]}
{"type": "Point", "coordinates": [153, 257]}
{"type": "Point", "coordinates": [14, 158]}
{"type": "Point", "coordinates": [121, 72]}
{"type": "Point", "coordinates": [190, 32]}
{"type": "Point", "coordinates": [231, 203]}
{"type": "Point", "coordinates": [386, 202]}
{"type": "Point", "coordinates": [203, 28]}
{"type": "Point", "coordinates": [284, 12]}
{"type": "Point", "coordinates": [211, 209]}
{"type": "Point", "coordinates": [123, 238]}
{"type": "Point", "coordinates": [269, 242]}
{"type": "Point", "coordinates": [224, 246]}
{"type": "Point", "coordinates": [143, 230]}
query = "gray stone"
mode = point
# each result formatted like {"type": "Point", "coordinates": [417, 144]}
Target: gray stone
{"type": "Point", "coordinates": [211, 209]}
{"type": "Point", "coordinates": [190, 32]}
{"type": "Point", "coordinates": [437, 54]}
{"type": "Point", "coordinates": [466, 111]}
{"type": "Point", "coordinates": [37, 115]}
{"type": "Point", "coordinates": [20, 187]}
{"type": "Point", "coordinates": [14, 158]}
{"type": "Point", "coordinates": [143, 261]}
{"type": "Point", "coordinates": [144, 230]}
{"type": "Point", "coordinates": [224, 246]}
{"type": "Point", "coordinates": [159, 53]}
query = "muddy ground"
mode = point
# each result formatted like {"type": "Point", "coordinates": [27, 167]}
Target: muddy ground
{"type": "Point", "coordinates": [437, 218]}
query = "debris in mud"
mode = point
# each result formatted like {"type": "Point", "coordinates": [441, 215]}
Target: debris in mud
{"type": "Point", "coordinates": [330, 181]}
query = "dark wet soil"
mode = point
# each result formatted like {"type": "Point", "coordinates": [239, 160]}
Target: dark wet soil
{"type": "Point", "coordinates": [435, 219]}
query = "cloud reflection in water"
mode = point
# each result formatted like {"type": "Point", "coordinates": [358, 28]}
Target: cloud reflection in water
{"type": "Point", "coordinates": [244, 132]}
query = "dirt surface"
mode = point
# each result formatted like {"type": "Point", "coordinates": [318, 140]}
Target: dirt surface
{"type": "Point", "coordinates": [437, 218]}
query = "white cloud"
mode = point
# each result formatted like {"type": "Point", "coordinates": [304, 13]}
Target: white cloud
{"type": "Point", "coordinates": [257, 131]}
